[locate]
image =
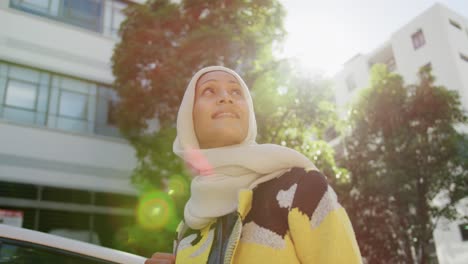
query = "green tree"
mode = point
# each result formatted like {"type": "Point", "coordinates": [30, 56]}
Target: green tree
{"type": "Point", "coordinates": [403, 151]}
{"type": "Point", "coordinates": [297, 110]}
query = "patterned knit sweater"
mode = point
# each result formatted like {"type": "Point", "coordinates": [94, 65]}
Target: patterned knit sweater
{"type": "Point", "coordinates": [295, 218]}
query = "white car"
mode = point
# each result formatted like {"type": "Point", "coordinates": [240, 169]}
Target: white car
{"type": "Point", "coordinates": [19, 245]}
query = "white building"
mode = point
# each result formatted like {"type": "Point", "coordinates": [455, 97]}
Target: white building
{"type": "Point", "coordinates": [61, 157]}
{"type": "Point", "coordinates": [438, 37]}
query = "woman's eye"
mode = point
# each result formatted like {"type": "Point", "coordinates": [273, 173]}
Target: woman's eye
{"type": "Point", "coordinates": [237, 92]}
{"type": "Point", "coordinates": [208, 90]}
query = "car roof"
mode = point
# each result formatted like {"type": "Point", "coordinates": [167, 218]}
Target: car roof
{"type": "Point", "coordinates": [83, 248]}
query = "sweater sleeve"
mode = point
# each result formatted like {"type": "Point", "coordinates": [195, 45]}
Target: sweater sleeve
{"type": "Point", "coordinates": [319, 226]}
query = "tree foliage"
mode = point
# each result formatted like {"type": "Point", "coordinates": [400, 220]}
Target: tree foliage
{"type": "Point", "coordinates": [296, 111]}
{"type": "Point", "coordinates": [404, 156]}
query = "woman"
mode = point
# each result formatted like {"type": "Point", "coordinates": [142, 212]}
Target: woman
{"type": "Point", "coordinates": [250, 203]}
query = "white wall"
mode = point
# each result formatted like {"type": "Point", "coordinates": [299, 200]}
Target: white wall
{"type": "Point", "coordinates": [440, 49]}
{"type": "Point", "coordinates": [358, 67]}
{"type": "Point", "coordinates": [57, 158]}
{"type": "Point", "coordinates": [449, 245]}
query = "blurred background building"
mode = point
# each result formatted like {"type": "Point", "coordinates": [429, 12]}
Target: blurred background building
{"type": "Point", "coordinates": [438, 38]}
{"type": "Point", "coordinates": [63, 164]}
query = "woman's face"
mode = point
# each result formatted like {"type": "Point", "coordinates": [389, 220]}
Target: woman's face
{"type": "Point", "coordinates": [220, 111]}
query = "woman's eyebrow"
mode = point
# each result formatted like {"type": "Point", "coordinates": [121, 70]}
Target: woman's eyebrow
{"type": "Point", "coordinates": [209, 80]}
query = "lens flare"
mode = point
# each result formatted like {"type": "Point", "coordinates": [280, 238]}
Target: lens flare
{"type": "Point", "coordinates": [177, 186]}
{"type": "Point", "coordinates": [156, 210]}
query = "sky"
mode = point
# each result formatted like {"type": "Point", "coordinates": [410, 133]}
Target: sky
{"type": "Point", "coordinates": [324, 34]}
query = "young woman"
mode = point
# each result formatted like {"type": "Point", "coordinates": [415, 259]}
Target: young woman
{"type": "Point", "coordinates": [250, 203]}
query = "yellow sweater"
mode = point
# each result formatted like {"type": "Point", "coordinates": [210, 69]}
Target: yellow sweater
{"type": "Point", "coordinates": [295, 218]}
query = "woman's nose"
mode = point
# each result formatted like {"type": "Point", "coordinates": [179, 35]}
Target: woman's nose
{"type": "Point", "coordinates": [225, 97]}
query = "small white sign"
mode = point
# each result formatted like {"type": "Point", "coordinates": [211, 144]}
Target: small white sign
{"type": "Point", "coordinates": [12, 218]}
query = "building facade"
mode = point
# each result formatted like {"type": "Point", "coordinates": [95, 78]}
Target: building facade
{"type": "Point", "coordinates": [63, 164]}
{"type": "Point", "coordinates": [438, 37]}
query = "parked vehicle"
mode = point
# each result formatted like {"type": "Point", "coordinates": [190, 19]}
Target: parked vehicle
{"type": "Point", "coordinates": [19, 245]}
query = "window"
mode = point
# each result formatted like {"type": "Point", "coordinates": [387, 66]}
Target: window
{"type": "Point", "coordinates": [351, 83]}
{"type": "Point", "coordinates": [113, 17]}
{"type": "Point", "coordinates": [418, 39]}
{"type": "Point", "coordinates": [455, 24]}
{"type": "Point", "coordinates": [40, 98]}
{"type": "Point", "coordinates": [73, 105]}
{"type": "Point", "coordinates": [464, 57]}
{"type": "Point", "coordinates": [83, 13]}
{"type": "Point", "coordinates": [464, 231]}
{"type": "Point", "coordinates": [21, 94]}
{"type": "Point", "coordinates": [39, 7]}
{"type": "Point", "coordinates": [105, 112]}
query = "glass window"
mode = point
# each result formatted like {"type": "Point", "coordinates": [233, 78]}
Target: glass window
{"type": "Point", "coordinates": [21, 94]}
{"type": "Point", "coordinates": [38, 5]}
{"type": "Point", "coordinates": [105, 112]}
{"type": "Point", "coordinates": [12, 251]}
{"type": "Point", "coordinates": [418, 39]}
{"type": "Point", "coordinates": [464, 57]}
{"type": "Point", "coordinates": [117, 17]}
{"type": "Point", "coordinates": [41, 7]}
{"type": "Point", "coordinates": [114, 16]}
{"type": "Point", "coordinates": [83, 13]}
{"type": "Point", "coordinates": [73, 104]}
{"type": "Point", "coordinates": [464, 231]}
{"type": "Point", "coordinates": [24, 74]}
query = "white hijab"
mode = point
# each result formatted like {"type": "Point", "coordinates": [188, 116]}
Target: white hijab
{"type": "Point", "coordinates": [223, 172]}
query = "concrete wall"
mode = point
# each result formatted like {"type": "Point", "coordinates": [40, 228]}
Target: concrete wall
{"type": "Point", "coordinates": [56, 158]}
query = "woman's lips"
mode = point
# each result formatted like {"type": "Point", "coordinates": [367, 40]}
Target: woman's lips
{"type": "Point", "coordinates": [224, 114]}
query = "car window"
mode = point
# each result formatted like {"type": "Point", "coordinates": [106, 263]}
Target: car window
{"type": "Point", "coordinates": [19, 252]}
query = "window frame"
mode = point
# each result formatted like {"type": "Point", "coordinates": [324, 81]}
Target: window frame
{"type": "Point", "coordinates": [36, 95]}
{"type": "Point", "coordinates": [59, 104]}
{"type": "Point", "coordinates": [418, 39]}
{"type": "Point", "coordinates": [463, 57]}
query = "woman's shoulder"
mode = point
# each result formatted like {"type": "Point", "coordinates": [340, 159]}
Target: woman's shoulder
{"type": "Point", "coordinates": [297, 188]}
{"type": "Point", "coordinates": [300, 181]}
